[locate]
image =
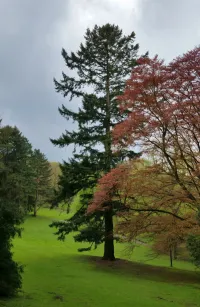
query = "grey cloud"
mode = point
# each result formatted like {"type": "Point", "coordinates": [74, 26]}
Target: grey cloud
{"type": "Point", "coordinates": [169, 27]}
{"type": "Point", "coordinates": [27, 96]}
{"type": "Point", "coordinates": [171, 14]}
{"type": "Point", "coordinates": [32, 34]}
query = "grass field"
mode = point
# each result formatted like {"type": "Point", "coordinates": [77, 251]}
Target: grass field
{"type": "Point", "coordinates": [57, 275]}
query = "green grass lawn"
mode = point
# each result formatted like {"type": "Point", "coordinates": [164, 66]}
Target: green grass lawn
{"type": "Point", "coordinates": [57, 275]}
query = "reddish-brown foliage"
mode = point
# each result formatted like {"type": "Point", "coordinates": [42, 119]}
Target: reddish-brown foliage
{"type": "Point", "coordinates": [155, 205]}
{"type": "Point", "coordinates": [164, 101]}
{"type": "Point", "coordinates": [164, 119]}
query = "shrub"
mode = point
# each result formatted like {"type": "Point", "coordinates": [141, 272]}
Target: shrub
{"type": "Point", "coordinates": [193, 245]}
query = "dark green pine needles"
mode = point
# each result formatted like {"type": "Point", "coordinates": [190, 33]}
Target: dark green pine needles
{"type": "Point", "coordinates": [15, 151]}
{"type": "Point", "coordinates": [102, 64]}
{"type": "Point", "coordinates": [41, 183]}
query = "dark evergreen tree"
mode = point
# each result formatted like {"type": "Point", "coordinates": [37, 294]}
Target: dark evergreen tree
{"type": "Point", "coordinates": [41, 180]}
{"type": "Point", "coordinates": [102, 63]}
{"type": "Point", "coordinates": [15, 152]}
{"type": "Point", "coordinates": [193, 245]}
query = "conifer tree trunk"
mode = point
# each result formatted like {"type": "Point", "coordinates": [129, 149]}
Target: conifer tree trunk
{"type": "Point", "coordinates": [108, 216]}
{"type": "Point", "coordinates": [35, 210]}
{"type": "Point", "coordinates": [35, 205]}
{"type": "Point", "coordinates": [109, 243]}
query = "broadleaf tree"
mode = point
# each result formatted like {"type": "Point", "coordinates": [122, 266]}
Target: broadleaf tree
{"type": "Point", "coordinates": [102, 64]}
{"type": "Point", "coordinates": [155, 206]}
{"type": "Point", "coordinates": [163, 103]}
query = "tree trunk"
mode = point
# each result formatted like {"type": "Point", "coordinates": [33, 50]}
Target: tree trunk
{"type": "Point", "coordinates": [109, 242]}
{"type": "Point", "coordinates": [35, 210]}
{"type": "Point", "coordinates": [175, 252]}
{"type": "Point", "coordinates": [108, 215]}
{"type": "Point", "coordinates": [171, 257]}
{"type": "Point", "coordinates": [35, 205]}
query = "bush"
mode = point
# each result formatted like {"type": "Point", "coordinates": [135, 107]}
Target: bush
{"type": "Point", "coordinates": [10, 273]}
{"type": "Point", "coordinates": [193, 245]}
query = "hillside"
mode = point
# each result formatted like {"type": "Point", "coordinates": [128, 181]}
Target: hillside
{"type": "Point", "coordinates": [57, 275]}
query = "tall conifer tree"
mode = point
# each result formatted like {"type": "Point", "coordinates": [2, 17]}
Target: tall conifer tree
{"type": "Point", "coordinates": [103, 63]}
{"type": "Point", "coordinates": [15, 151]}
{"type": "Point", "coordinates": [41, 181]}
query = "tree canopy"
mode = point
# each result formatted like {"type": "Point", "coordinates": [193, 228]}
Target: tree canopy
{"type": "Point", "coordinates": [102, 63]}
{"type": "Point", "coordinates": [17, 187]}
{"type": "Point", "coordinates": [162, 199]}
{"type": "Point", "coordinates": [15, 151]}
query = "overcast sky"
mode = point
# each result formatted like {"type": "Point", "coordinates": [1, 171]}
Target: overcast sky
{"type": "Point", "coordinates": [32, 33]}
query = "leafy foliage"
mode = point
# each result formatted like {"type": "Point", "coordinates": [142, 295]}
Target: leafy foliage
{"type": "Point", "coordinates": [163, 103]}
{"type": "Point", "coordinates": [164, 117]}
{"type": "Point", "coordinates": [153, 207]}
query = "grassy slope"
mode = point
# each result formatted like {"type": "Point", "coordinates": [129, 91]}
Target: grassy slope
{"type": "Point", "coordinates": [55, 271]}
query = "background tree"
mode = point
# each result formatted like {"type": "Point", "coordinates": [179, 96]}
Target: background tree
{"type": "Point", "coordinates": [193, 245]}
{"type": "Point", "coordinates": [102, 64]}
{"type": "Point", "coordinates": [42, 175]}
{"type": "Point", "coordinates": [15, 151]}
{"type": "Point", "coordinates": [169, 234]}
{"type": "Point", "coordinates": [56, 172]}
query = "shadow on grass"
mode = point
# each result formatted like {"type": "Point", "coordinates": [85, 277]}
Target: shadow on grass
{"type": "Point", "coordinates": [61, 215]}
{"type": "Point", "coordinates": [145, 271]}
